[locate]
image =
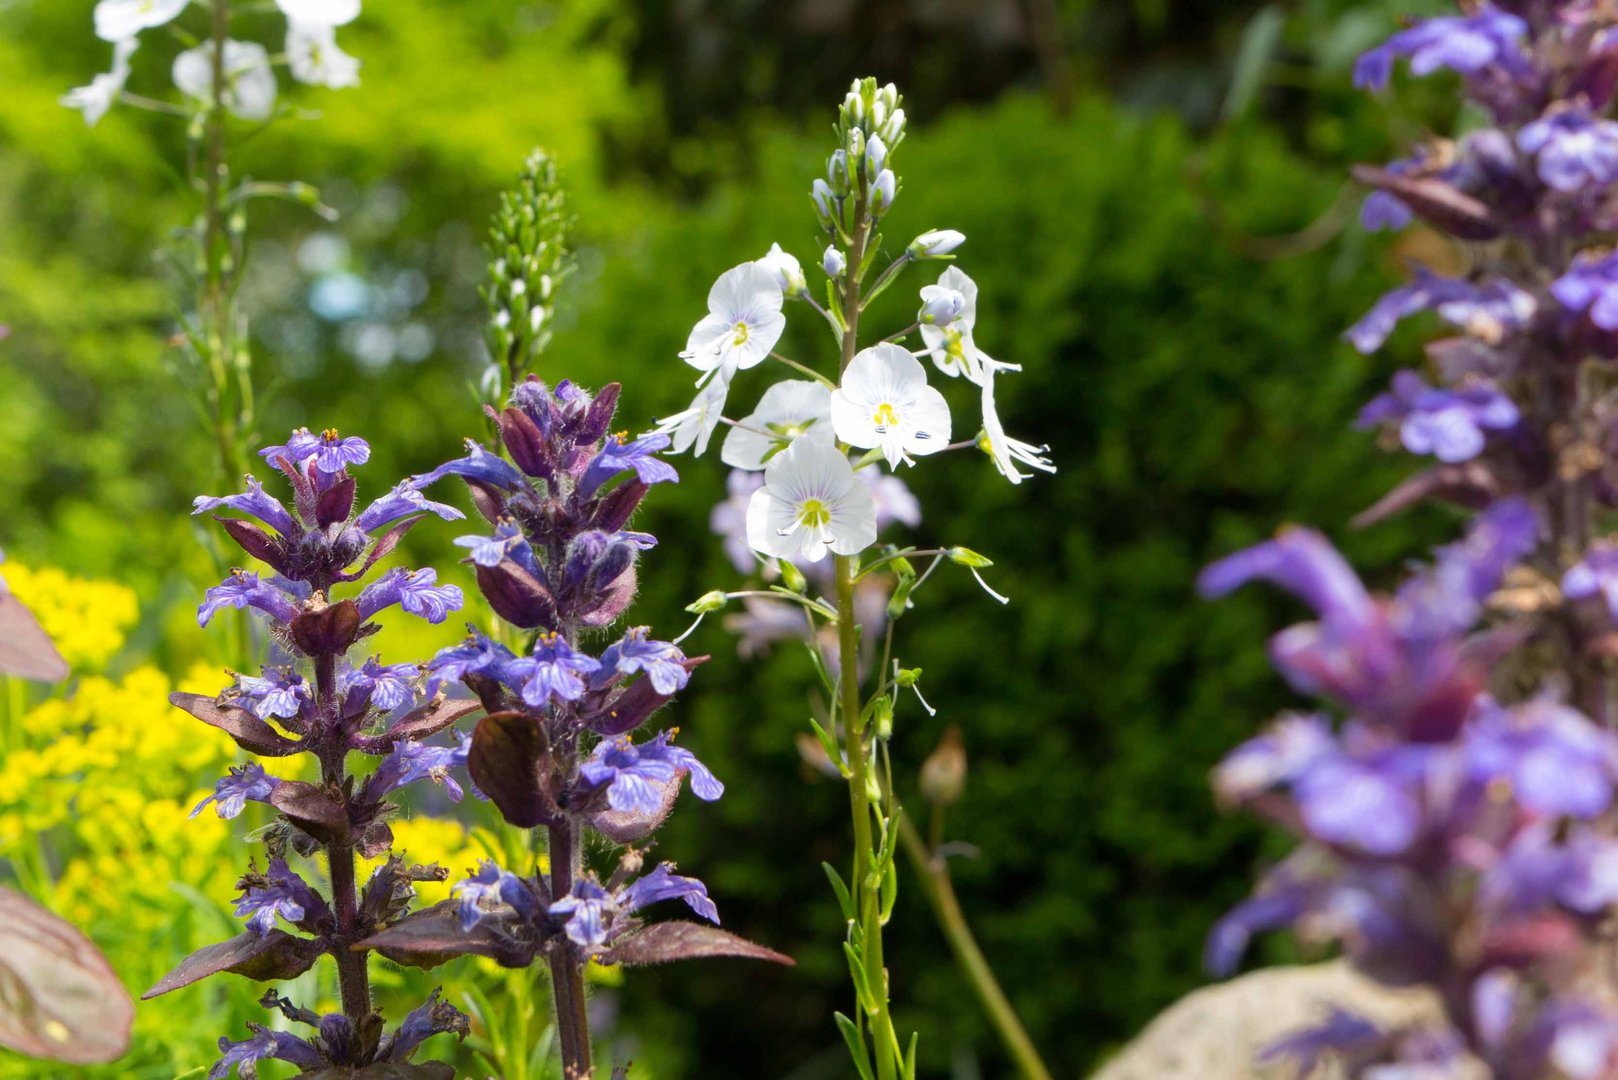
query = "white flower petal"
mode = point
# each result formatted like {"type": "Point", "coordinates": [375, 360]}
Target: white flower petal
{"type": "Point", "coordinates": [119, 20]}
{"type": "Point", "coordinates": [743, 323]}
{"type": "Point", "coordinates": [329, 12]}
{"type": "Point", "coordinates": [249, 83]}
{"type": "Point", "coordinates": [787, 411]}
{"type": "Point", "coordinates": [1005, 451]}
{"type": "Point", "coordinates": [811, 503]}
{"type": "Point", "coordinates": [314, 58]}
{"type": "Point", "coordinates": [885, 402]}
{"type": "Point", "coordinates": [695, 425]}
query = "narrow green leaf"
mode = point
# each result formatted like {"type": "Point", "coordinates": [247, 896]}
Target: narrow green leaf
{"type": "Point", "coordinates": [861, 978]}
{"type": "Point", "coordinates": [856, 1046]}
{"type": "Point", "coordinates": [844, 900]}
{"type": "Point", "coordinates": [910, 1058]}
{"type": "Point", "coordinates": [828, 744]}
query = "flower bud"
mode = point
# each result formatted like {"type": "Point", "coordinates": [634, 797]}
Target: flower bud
{"type": "Point", "coordinates": [708, 602]}
{"type": "Point", "coordinates": [936, 243]}
{"type": "Point", "coordinates": [854, 106]}
{"type": "Point", "coordinates": [825, 202]}
{"type": "Point", "coordinates": [882, 718]}
{"type": "Point", "coordinates": [943, 774]}
{"type": "Point", "coordinates": [894, 128]}
{"type": "Point", "coordinates": [940, 306]}
{"type": "Point", "coordinates": [792, 577]}
{"type": "Point", "coordinates": [787, 270]}
{"type": "Point", "coordinates": [969, 558]}
{"type": "Point", "coordinates": [837, 172]}
{"type": "Point", "coordinates": [856, 144]}
{"type": "Point", "coordinates": [883, 190]}
{"type": "Point", "coordinates": [876, 156]}
{"type": "Point", "coordinates": [833, 262]}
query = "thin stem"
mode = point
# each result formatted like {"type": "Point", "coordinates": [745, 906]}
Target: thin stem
{"type": "Point", "coordinates": [567, 978]}
{"type": "Point", "coordinates": [831, 320]}
{"type": "Point", "coordinates": [217, 331]}
{"type": "Point", "coordinates": [864, 883]}
{"type": "Point", "coordinates": [805, 369]}
{"type": "Point", "coordinates": [940, 891]}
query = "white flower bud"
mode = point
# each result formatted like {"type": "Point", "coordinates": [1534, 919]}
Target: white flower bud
{"type": "Point", "coordinates": [837, 172]}
{"type": "Point", "coordinates": [825, 202]}
{"type": "Point", "coordinates": [935, 243]}
{"type": "Point", "coordinates": [833, 262]}
{"type": "Point", "coordinates": [883, 190]}
{"type": "Point", "coordinates": [940, 305]}
{"type": "Point", "coordinates": [876, 156]}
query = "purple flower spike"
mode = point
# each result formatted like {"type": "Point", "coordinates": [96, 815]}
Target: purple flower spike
{"type": "Point", "coordinates": [243, 589]}
{"type": "Point", "coordinates": [663, 663]}
{"type": "Point", "coordinates": [256, 502]}
{"type": "Point", "coordinates": [620, 455]}
{"type": "Point", "coordinates": [245, 783]}
{"type": "Point", "coordinates": [1467, 45]}
{"type": "Point", "coordinates": [1576, 151]}
{"type": "Point", "coordinates": [1451, 425]}
{"type": "Point", "coordinates": [417, 591]}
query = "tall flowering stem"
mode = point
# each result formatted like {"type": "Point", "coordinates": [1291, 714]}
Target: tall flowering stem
{"type": "Point", "coordinates": [555, 750]}
{"type": "Point", "coordinates": [810, 523]}
{"type": "Point", "coordinates": [315, 700]}
{"type": "Point", "coordinates": [220, 80]}
{"type": "Point", "coordinates": [1454, 789]}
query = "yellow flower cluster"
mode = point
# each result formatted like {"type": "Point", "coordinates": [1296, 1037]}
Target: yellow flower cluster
{"type": "Point", "coordinates": [88, 620]}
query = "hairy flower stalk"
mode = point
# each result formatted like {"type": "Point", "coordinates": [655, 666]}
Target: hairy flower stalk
{"type": "Point", "coordinates": [1458, 819]}
{"type": "Point", "coordinates": [811, 521]}
{"type": "Point", "coordinates": [556, 748]}
{"type": "Point", "coordinates": [316, 700]}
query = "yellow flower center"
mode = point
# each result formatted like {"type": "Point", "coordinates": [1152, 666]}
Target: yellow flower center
{"type": "Point", "coordinates": [741, 333]}
{"type": "Point", "coordinates": [885, 417]}
{"type": "Point", "coordinates": [814, 514]}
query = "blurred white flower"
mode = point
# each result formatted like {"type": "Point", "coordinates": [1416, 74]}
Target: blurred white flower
{"type": "Point", "coordinates": [314, 57]}
{"type": "Point", "coordinates": [788, 410]}
{"type": "Point", "coordinates": [249, 90]}
{"type": "Point", "coordinates": [695, 425]}
{"type": "Point", "coordinates": [102, 93]}
{"type": "Point", "coordinates": [1005, 451]}
{"type": "Point", "coordinates": [811, 503]}
{"type": "Point", "coordinates": [885, 402]}
{"type": "Point", "coordinates": [743, 324]}
{"type": "Point", "coordinates": [329, 12]}
{"type": "Point", "coordinates": [120, 20]}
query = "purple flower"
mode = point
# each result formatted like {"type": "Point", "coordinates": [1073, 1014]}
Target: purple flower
{"type": "Point", "coordinates": [1595, 575]}
{"type": "Point", "coordinates": [663, 663]}
{"type": "Point", "coordinates": [256, 502]}
{"type": "Point", "coordinates": [410, 761]}
{"type": "Point", "coordinates": [619, 455]}
{"type": "Point", "coordinates": [1449, 424]}
{"type": "Point", "coordinates": [1466, 44]}
{"type": "Point", "coordinates": [389, 685]}
{"type": "Point", "coordinates": [432, 1017]}
{"type": "Point", "coordinates": [232, 793]}
{"type": "Point", "coordinates": [280, 694]}
{"type": "Point", "coordinates": [1486, 311]}
{"type": "Point", "coordinates": [476, 656]}
{"type": "Point", "coordinates": [637, 777]}
{"type": "Point", "coordinates": [280, 1045]}
{"type": "Point", "coordinates": [1371, 804]}
{"type": "Point", "coordinates": [243, 589]}
{"type": "Point", "coordinates": [279, 893]}
{"type": "Point", "coordinates": [555, 672]}
{"type": "Point", "coordinates": [334, 453]}
{"type": "Point", "coordinates": [491, 886]}
{"type": "Point", "coordinates": [507, 542]}
{"type": "Point", "coordinates": [401, 502]}
{"type": "Point", "coordinates": [729, 518]}
{"type": "Point", "coordinates": [1591, 284]}
{"type": "Point", "coordinates": [1278, 905]}
{"type": "Point", "coordinates": [664, 884]}
{"type": "Point", "coordinates": [588, 908]}
{"type": "Point", "coordinates": [295, 451]}
{"type": "Point", "coordinates": [1342, 1033]}
{"type": "Point", "coordinates": [1557, 761]}
{"type": "Point", "coordinates": [417, 591]}
{"type": "Point", "coordinates": [1293, 744]}
{"type": "Point", "coordinates": [1576, 151]}
{"type": "Point", "coordinates": [479, 465]}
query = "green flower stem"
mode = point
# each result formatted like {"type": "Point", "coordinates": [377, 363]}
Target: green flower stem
{"type": "Point", "coordinates": [933, 872]}
{"type": "Point", "coordinates": [864, 885]}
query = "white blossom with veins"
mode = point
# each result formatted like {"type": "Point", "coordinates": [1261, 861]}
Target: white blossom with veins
{"type": "Point", "coordinates": [811, 503]}
{"type": "Point", "coordinates": [315, 59]}
{"type": "Point", "coordinates": [120, 20]}
{"type": "Point", "coordinates": [696, 425]}
{"type": "Point", "coordinates": [885, 402]}
{"type": "Point", "coordinates": [1005, 451]}
{"type": "Point", "coordinates": [952, 347]}
{"type": "Point", "coordinates": [95, 99]}
{"type": "Point", "coordinates": [329, 12]}
{"type": "Point", "coordinates": [743, 324]}
{"type": "Point", "coordinates": [249, 83]}
{"type": "Point", "coordinates": [796, 408]}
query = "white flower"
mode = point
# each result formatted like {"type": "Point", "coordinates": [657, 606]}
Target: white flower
{"type": "Point", "coordinates": [314, 57]}
{"type": "Point", "coordinates": [940, 306]}
{"type": "Point", "coordinates": [885, 402]}
{"type": "Point", "coordinates": [744, 321]}
{"type": "Point", "coordinates": [249, 83]}
{"type": "Point", "coordinates": [953, 350]}
{"type": "Point", "coordinates": [935, 243]}
{"type": "Point", "coordinates": [328, 12]}
{"type": "Point", "coordinates": [788, 410]}
{"type": "Point", "coordinates": [811, 503]}
{"type": "Point", "coordinates": [788, 271]}
{"type": "Point", "coordinates": [1004, 450]}
{"type": "Point", "coordinates": [120, 20]}
{"type": "Point", "coordinates": [695, 426]}
{"type": "Point", "coordinates": [102, 93]}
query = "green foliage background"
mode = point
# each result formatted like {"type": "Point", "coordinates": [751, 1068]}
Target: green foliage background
{"type": "Point", "coordinates": [1159, 223]}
